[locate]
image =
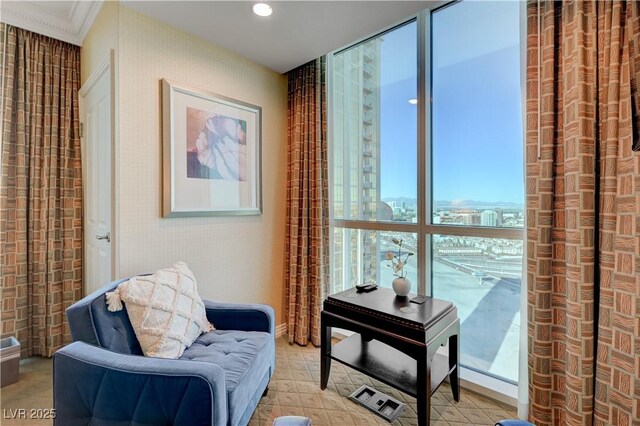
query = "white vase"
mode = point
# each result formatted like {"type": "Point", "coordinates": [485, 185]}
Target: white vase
{"type": "Point", "coordinates": [402, 286]}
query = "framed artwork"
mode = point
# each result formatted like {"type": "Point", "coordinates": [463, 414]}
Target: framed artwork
{"type": "Point", "coordinates": [211, 154]}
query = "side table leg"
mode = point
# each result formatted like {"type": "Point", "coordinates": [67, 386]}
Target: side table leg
{"type": "Point", "coordinates": [454, 360]}
{"type": "Point", "coordinates": [325, 352]}
{"type": "Point", "coordinates": [423, 391]}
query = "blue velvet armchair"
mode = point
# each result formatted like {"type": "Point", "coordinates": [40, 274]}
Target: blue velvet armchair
{"type": "Point", "coordinates": [102, 378]}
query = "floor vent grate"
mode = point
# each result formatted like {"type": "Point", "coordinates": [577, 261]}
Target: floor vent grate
{"type": "Point", "coordinates": [383, 405]}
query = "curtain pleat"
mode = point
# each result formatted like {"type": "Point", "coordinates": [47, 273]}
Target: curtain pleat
{"type": "Point", "coordinates": [583, 208]}
{"type": "Point", "coordinates": [617, 387]}
{"type": "Point", "coordinates": [307, 223]}
{"type": "Point", "coordinates": [633, 31]}
{"type": "Point", "coordinates": [41, 192]}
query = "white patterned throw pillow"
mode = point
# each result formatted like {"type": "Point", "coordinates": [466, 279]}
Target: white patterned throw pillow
{"type": "Point", "coordinates": [165, 310]}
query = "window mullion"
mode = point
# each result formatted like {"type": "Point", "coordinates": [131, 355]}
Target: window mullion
{"type": "Point", "coordinates": [424, 153]}
{"type": "Point", "coordinates": [370, 225]}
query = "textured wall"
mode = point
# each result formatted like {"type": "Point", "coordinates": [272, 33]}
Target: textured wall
{"type": "Point", "coordinates": [102, 37]}
{"type": "Point", "coordinates": [233, 258]}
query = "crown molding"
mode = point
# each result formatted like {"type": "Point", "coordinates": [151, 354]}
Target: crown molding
{"type": "Point", "coordinates": [83, 14]}
{"type": "Point", "coordinates": [71, 27]}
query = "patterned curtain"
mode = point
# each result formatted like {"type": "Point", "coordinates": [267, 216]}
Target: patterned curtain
{"type": "Point", "coordinates": [41, 189]}
{"type": "Point", "coordinates": [583, 207]}
{"type": "Point", "coordinates": [307, 239]}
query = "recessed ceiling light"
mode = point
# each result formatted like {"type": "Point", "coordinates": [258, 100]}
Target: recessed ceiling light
{"type": "Point", "coordinates": [262, 9]}
{"type": "Point", "coordinates": [413, 101]}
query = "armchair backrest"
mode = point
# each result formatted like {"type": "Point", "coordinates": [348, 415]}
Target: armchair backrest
{"type": "Point", "coordinates": [91, 322]}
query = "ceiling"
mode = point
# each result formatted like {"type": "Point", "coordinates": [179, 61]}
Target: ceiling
{"type": "Point", "coordinates": [296, 32]}
{"type": "Point", "coordinates": [64, 20]}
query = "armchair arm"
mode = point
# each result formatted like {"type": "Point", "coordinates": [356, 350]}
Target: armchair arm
{"type": "Point", "coordinates": [92, 385]}
{"type": "Point", "coordinates": [244, 317]}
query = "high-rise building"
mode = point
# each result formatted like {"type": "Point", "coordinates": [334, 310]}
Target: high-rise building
{"type": "Point", "coordinates": [489, 218]}
{"type": "Point", "coordinates": [356, 112]}
{"type": "Point", "coordinates": [500, 213]}
{"type": "Point", "coordinates": [471, 219]}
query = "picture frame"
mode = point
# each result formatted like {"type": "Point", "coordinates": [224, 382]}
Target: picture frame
{"type": "Point", "coordinates": [212, 154]}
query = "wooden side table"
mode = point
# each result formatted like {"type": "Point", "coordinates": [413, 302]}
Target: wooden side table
{"type": "Point", "coordinates": [394, 341]}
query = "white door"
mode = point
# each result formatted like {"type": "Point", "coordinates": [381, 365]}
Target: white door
{"type": "Point", "coordinates": [96, 134]}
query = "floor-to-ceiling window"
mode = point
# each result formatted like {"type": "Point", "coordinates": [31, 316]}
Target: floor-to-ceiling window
{"type": "Point", "coordinates": [375, 162]}
{"type": "Point", "coordinates": [426, 127]}
{"type": "Point", "coordinates": [477, 177]}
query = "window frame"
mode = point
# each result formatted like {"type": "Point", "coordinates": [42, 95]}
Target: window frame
{"type": "Point", "coordinates": [514, 394]}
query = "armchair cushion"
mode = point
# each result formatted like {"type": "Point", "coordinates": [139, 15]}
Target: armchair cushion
{"type": "Point", "coordinates": [165, 310]}
{"type": "Point", "coordinates": [245, 357]}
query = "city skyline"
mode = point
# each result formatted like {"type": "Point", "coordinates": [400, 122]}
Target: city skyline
{"type": "Point", "coordinates": [458, 203]}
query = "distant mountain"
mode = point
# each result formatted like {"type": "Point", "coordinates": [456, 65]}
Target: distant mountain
{"type": "Point", "coordinates": [398, 200]}
{"type": "Point", "coordinates": [474, 203]}
{"type": "Point", "coordinates": [458, 203]}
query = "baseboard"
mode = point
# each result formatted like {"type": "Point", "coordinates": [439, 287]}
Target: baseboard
{"type": "Point", "coordinates": [490, 387]}
{"type": "Point", "coordinates": [340, 333]}
{"type": "Point", "coordinates": [523, 410]}
{"type": "Point", "coordinates": [281, 329]}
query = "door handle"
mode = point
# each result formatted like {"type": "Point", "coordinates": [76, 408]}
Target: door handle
{"type": "Point", "coordinates": [106, 236]}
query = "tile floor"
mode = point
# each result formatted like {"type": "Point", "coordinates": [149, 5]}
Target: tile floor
{"type": "Point", "coordinates": [294, 390]}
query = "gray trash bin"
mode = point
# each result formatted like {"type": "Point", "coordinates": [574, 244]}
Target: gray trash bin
{"type": "Point", "coordinates": [9, 360]}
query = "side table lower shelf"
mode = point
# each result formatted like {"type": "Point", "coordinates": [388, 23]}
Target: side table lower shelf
{"type": "Point", "coordinates": [388, 365]}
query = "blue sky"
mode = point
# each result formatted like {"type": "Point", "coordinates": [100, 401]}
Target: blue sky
{"type": "Point", "coordinates": [477, 116]}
